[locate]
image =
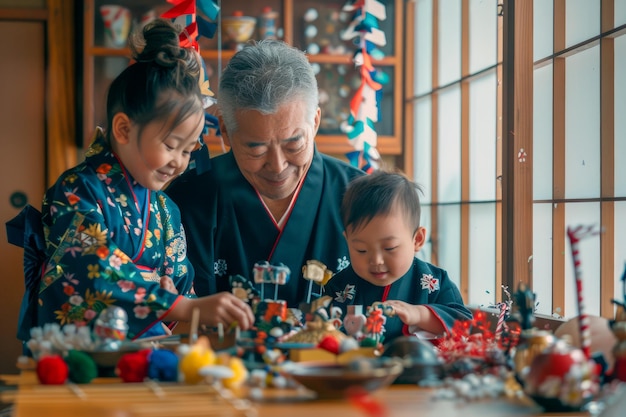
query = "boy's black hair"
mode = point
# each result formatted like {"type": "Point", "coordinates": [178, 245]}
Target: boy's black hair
{"type": "Point", "coordinates": [377, 193]}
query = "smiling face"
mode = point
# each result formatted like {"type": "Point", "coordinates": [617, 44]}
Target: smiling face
{"type": "Point", "coordinates": [154, 154]}
{"type": "Point", "coordinates": [274, 151]}
{"type": "Point", "coordinates": [382, 250]}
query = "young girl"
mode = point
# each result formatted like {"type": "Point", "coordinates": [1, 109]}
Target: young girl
{"type": "Point", "coordinates": [112, 237]}
{"type": "Point", "coordinates": [381, 216]}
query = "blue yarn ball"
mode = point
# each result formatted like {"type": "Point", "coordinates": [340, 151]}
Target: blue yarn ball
{"type": "Point", "coordinates": [163, 365]}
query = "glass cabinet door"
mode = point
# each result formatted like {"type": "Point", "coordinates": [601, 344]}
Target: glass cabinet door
{"type": "Point", "coordinates": [311, 25]}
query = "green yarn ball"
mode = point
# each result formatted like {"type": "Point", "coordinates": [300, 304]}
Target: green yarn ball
{"type": "Point", "coordinates": [82, 367]}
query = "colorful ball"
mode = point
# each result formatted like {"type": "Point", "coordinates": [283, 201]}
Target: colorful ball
{"type": "Point", "coordinates": [52, 370]}
{"type": "Point", "coordinates": [163, 365]}
{"type": "Point", "coordinates": [561, 378]}
{"type": "Point", "coordinates": [133, 367]}
{"type": "Point", "coordinates": [330, 344]}
{"type": "Point", "coordinates": [600, 335]}
{"type": "Point", "coordinates": [239, 371]}
{"type": "Point", "coordinates": [197, 357]}
{"type": "Point", "coordinates": [82, 368]}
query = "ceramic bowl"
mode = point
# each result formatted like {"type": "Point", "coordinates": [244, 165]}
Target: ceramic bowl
{"type": "Point", "coordinates": [334, 381]}
{"type": "Point", "coordinates": [237, 29]}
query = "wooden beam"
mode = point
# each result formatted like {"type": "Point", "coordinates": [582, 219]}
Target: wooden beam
{"type": "Point", "coordinates": [517, 141]}
{"type": "Point", "coordinates": [499, 283]}
{"type": "Point", "coordinates": [434, 209]}
{"type": "Point", "coordinates": [25, 14]}
{"type": "Point", "coordinates": [398, 78]}
{"type": "Point", "coordinates": [607, 165]}
{"type": "Point", "coordinates": [465, 152]}
{"type": "Point", "coordinates": [288, 21]}
{"type": "Point", "coordinates": [408, 163]}
{"type": "Point", "coordinates": [87, 109]}
{"type": "Point", "coordinates": [558, 161]}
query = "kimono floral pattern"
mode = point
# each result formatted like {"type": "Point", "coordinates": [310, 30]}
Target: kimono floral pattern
{"type": "Point", "coordinates": [342, 263]}
{"type": "Point", "coordinates": [106, 249]}
{"type": "Point", "coordinates": [429, 283]}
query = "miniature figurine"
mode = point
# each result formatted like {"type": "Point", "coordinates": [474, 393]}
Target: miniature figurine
{"type": "Point", "coordinates": [315, 271]}
{"type": "Point", "coordinates": [110, 328]}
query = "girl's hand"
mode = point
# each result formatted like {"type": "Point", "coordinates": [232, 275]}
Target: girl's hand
{"type": "Point", "coordinates": [225, 308]}
{"type": "Point", "coordinates": [168, 284]}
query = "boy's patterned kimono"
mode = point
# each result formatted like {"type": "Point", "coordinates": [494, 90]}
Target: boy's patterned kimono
{"type": "Point", "coordinates": [104, 249]}
{"type": "Point", "coordinates": [423, 284]}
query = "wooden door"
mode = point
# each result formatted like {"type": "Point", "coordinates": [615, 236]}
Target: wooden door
{"type": "Point", "coordinates": [22, 160]}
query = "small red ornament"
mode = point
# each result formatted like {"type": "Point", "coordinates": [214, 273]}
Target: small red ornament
{"type": "Point", "coordinates": [561, 378]}
{"type": "Point", "coordinates": [133, 367]}
{"type": "Point", "coordinates": [330, 344]}
{"type": "Point", "coordinates": [367, 404]}
{"type": "Point", "coordinates": [52, 370]}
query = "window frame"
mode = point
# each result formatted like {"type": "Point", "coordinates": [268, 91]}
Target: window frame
{"type": "Point", "coordinates": [514, 192]}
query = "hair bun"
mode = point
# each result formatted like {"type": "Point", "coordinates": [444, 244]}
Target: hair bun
{"type": "Point", "coordinates": [158, 43]}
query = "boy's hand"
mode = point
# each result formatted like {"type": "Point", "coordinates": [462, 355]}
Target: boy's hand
{"type": "Point", "coordinates": [417, 316]}
{"type": "Point", "coordinates": [408, 313]}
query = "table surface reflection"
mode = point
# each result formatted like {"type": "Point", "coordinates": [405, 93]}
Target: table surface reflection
{"type": "Point", "coordinates": [396, 401]}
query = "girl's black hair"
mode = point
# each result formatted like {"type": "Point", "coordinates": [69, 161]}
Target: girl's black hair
{"type": "Point", "coordinates": [163, 81]}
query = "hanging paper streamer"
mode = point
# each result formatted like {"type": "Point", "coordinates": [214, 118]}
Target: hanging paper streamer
{"type": "Point", "coordinates": [365, 105]}
{"type": "Point", "coordinates": [185, 13]}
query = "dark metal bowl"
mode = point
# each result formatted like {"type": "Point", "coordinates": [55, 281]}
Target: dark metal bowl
{"type": "Point", "coordinates": [419, 358]}
{"type": "Point", "coordinates": [334, 381]}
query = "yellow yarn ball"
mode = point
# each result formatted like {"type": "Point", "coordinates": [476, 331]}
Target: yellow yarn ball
{"type": "Point", "coordinates": [199, 355]}
{"type": "Point", "coordinates": [240, 372]}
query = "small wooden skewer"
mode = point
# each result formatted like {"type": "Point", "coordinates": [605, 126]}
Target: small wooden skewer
{"type": "Point", "coordinates": [193, 331]}
{"type": "Point", "coordinates": [220, 332]}
{"type": "Point", "coordinates": [154, 387]}
{"type": "Point", "coordinates": [77, 391]}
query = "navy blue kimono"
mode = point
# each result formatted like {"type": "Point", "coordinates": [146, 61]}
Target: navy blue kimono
{"type": "Point", "coordinates": [108, 242]}
{"type": "Point", "coordinates": [229, 229]}
{"type": "Point", "coordinates": [423, 284]}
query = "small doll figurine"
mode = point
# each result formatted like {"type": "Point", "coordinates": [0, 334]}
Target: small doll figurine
{"type": "Point", "coordinates": [261, 272]}
{"type": "Point", "coordinates": [354, 321]}
{"type": "Point", "coordinates": [315, 271]}
{"type": "Point", "coordinates": [280, 276]}
{"type": "Point", "coordinates": [524, 306]}
{"type": "Point", "coordinates": [374, 326]}
{"type": "Point", "coordinates": [111, 327]}
{"type": "Point", "coordinates": [618, 327]}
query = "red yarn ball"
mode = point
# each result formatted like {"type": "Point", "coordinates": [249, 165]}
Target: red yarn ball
{"type": "Point", "coordinates": [133, 367]}
{"type": "Point", "coordinates": [52, 370]}
{"type": "Point", "coordinates": [329, 343]}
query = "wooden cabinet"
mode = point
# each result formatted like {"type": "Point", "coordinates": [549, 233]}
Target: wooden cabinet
{"type": "Point", "coordinates": [337, 76]}
{"type": "Point", "coordinates": [23, 160]}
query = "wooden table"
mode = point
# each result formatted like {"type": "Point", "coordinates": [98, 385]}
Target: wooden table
{"type": "Point", "coordinates": [409, 401]}
{"type": "Point", "coordinates": [397, 400]}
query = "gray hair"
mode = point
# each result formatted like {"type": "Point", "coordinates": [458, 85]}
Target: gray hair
{"type": "Point", "coordinates": [263, 76]}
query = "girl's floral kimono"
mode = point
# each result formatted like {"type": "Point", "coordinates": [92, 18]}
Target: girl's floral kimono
{"type": "Point", "coordinates": [108, 242]}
